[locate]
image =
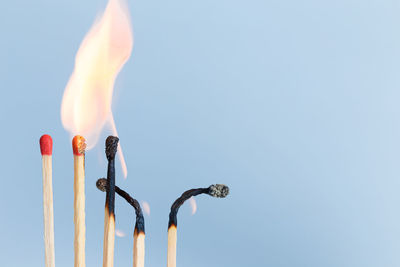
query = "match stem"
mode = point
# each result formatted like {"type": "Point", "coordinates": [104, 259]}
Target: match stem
{"type": "Point", "coordinates": [173, 222]}
{"type": "Point", "coordinates": [138, 248]}
{"type": "Point", "coordinates": [139, 226]}
{"type": "Point", "coordinates": [217, 190]}
{"type": "Point", "coordinates": [171, 250]}
{"type": "Point", "coordinates": [109, 216]}
{"type": "Point", "coordinates": [79, 210]}
{"type": "Point", "coordinates": [48, 213]}
{"type": "Point", "coordinates": [138, 235]}
{"type": "Point", "coordinates": [179, 202]}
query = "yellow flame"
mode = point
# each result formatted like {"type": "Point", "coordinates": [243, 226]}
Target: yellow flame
{"type": "Point", "coordinates": [193, 205]}
{"type": "Point", "coordinates": [86, 105]}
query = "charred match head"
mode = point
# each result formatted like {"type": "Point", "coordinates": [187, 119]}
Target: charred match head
{"type": "Point", "coordinates": [78, 145]}
{"type": "Point", "coordinates": [111, 146]}
{"type": "Point", "coordinates": [217, 190]}
{"type": "Point", "coordinates": [101, 184]}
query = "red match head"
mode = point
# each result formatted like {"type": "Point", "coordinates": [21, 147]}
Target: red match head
{"type": "Point", "coordinates": [78, 145]}
{"type": "Point", "coordinates": [46, 145]}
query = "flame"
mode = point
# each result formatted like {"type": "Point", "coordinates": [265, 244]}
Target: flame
{"type": "Point", "coordinates": [146, 207]}
{"type": "Point", "coordinates": [193, 205]}
{"type": "Point", "coordinates": [119, 233]}
{"type": "Point", "coordinates": [86, 104]}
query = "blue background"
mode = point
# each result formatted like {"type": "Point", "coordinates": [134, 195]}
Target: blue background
{"type": "Point", "coordinates": [293, 104]}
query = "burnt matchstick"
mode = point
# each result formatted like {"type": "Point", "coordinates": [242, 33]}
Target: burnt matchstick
{"type": "Point", "coordinates": [138, 235]}
{"type": "Point", "coordinates": [217, 190]}
{"type": "Point", "coordinates": [46, 147]}
{"type": "Point", "coordinates": [109, 216]}
{"type": "Point", "coordinates": [78, 147]}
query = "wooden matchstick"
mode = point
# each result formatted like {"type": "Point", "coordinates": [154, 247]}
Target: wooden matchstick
{"type": "Point", "coordinates": [139, 234]}
{"type": "Point", "coordinates": [109, 216]}
{"type": "Point", "coordinates": [138, 248]}
{"type": "Point", "coordinates": [78, 147]}
{"type": "Point", "coordinates": [218, 190]}
{"type": "Point", "coordinates": [46, 148]}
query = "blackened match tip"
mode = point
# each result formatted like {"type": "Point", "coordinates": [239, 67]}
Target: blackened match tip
{"type": "Point", "coordinates": [111, 146]}
{"type": "Point", "coordinates": [101, 184]}
{"type": "Point", "coordinates": [218, 190]}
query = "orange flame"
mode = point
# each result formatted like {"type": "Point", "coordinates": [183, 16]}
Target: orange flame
{"type": "Point", "coordinates": [86, 105]}
{"type": "Point", "coordinates": [193, 205]}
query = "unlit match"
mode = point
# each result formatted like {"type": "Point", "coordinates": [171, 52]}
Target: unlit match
{"type": "Point", "coordinates": [78, 147]}
{"type": "Point", "coordinates": [46, 149]}
{"type": "Point", "coordinates": [218, 190]}
{"type": "Point", "coordinates": [139, 233]}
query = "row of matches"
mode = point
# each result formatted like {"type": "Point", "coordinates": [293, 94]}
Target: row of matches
{"type": "Point", "coordinates": [106, 185]}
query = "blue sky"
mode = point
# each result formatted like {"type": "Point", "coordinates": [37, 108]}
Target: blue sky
{"type": "Point", "coordinates": [293, 104]}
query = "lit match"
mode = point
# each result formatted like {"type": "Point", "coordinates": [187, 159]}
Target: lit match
{"type": "Point", "coordinates": [78, 147]}
{"type": "Point", "coordinates": [138, 235]}
{"type": "Point", "coordinates": [218, 190]}
{"type": "Point", "coordinates": [46, 149]}
{"type": "Point", "coordinates": [109, 216]}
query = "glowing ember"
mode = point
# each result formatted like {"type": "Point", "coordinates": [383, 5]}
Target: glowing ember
{"type": "Point", "coordinates": [193, 205]}
{"type": "Point", "coordinates": [86, 105]}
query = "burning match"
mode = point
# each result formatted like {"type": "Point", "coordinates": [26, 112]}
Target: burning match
{"type": "Point", "coordinates": [218, 190]}
{"type": "Point", "coordinates": [46, 148]}
{"type": "Point", "coordinates": [78, 147]}
{"type": "Point", "coordinates": [138, 235]}
{"type": "Point", "coordinates": [86, 104]}
{"type": "Point", "coordinates": [109, 216]}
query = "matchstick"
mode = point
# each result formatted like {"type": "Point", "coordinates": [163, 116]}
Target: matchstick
{"type": "Point", "coordinates": [218, 190]}
{"type": "Point", "coordinates": [139, 234]}
{"type": "Point", "coordinates": [46, 148]}
{"type": "Point", "coordinates": [78, 147]}
{"type": "Point", "coordinates": [109, 216]}
{"type": "Point", "coordinates": [138, 248]}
